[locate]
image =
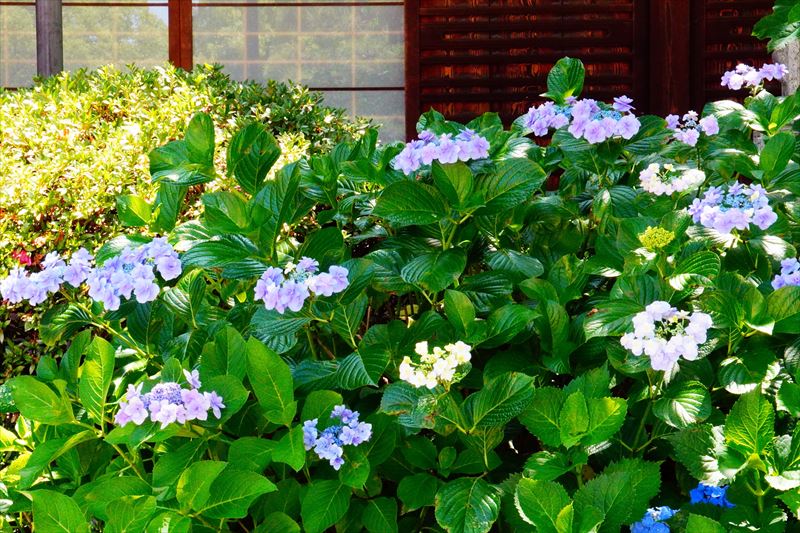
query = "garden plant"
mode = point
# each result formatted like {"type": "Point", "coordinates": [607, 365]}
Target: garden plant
{"type": "Point", "coordinates": [466, 333]}
{"type": "Point", "coordinates": [74, 149]}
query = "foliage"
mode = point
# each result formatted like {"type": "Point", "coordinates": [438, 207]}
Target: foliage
{"type": "Point", "coordinates": [782, 26]}
{"type": "Point", "coordinates": [534, 257]}
{"type": "Point", "coordinates": [75, 145]}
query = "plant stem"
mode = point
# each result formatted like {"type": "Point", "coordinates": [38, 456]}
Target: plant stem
{"type": "Point", "coordinates": [311, 344]}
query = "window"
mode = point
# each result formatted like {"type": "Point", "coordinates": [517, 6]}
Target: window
{"type": "Point", "coordinates": [351, 51]}
{"type": "Point", "coordinates": [17, 43]}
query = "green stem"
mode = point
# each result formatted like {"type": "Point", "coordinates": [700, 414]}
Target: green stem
{"type": "Point", "coordinates": [579, 475]}
{"type": "Point", "coordinates": [311, 344]}
{"type": "Point", "coordinates": [128, 460]}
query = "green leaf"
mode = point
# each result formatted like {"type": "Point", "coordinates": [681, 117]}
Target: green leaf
{"type": "Point", "coordinates": [251, 153]}
{"type": "Point", "coordinates": [278, 521]}
{"type": "Point", "coordinates": [170, 466]}
{"type": "Point", "coordinates": [194, 485]}
{"type": "Point", "coordinates": [702, 524]}
{"type": "Point", "coordinates": [417, 490]}
{"type": "Point", "coordinates": [319, 404]}
{"type": "Point", "coordinates": [777, 153]}
{"type": "Point", "coordinates": [435, 271]}
{"type": "Point", "coordinates": [517, 266]}
{"type": "Point", "coordinates": [232, 493]}
{"type": "Point", "coordinates": [323, 505]}
{"type": "Point", "coordinates": [36, 401]}
{"type": "Point", "coordinates": [219, 253]}
{"type": "Point", "coordinates": [459, 310]}
{"type": "Point", "coordinates": [96, 375]}
{"type": "Point", "coordinates": [47, 452]}
{"type": "Point", "coordinates": [133, 211]}
{"type": "Point", "coordinates": [696, 268]}
{"type": "Point", "coordinates": [173, 164]}
{"type": "Point", "coordinates": [512, 184]}
{"type": "Point", "coordinates": [251, 453]}
{"type": "Point", "coordinates": [612, 317]}
{"type": "Point", "coordinates": [547, 466]}
{"type": "Point", "coordinates": [503, 398]}
{"type": "Point", "coordinates": [606, 416]}
{"type": "Point", "coordinates": [224, 212]}
{"type": "Point", "coordinates": [783, 306]}
{"type": "Point", "coordinates": [199, 139]}
{"type": "Point", "coordinates": [542, 415]}
{"type": "Point", "coordinates": [749, 427]}
{"type": "Point", "coordinates": [62, 321]}
{"type": "Point", "coordinates": [347, 319]}
{"type": "Point", "coordinates": [168, 522]}
{"type": "Point", "coordinates": [788, 398]}
{"type": "Point", "coordinates": [467, 505]}
{"type": "Point", "coordinates": [380, 515]}
{"type": "Point", "coordinates": [697, 449]}
{"type": "Point", "coordinates": [290, 450]}
{"type": "Point", "coordinates": [453, 180]}
{"type": "Point", "coordinates": [226, 356]}
{"type": "Point", "coordinates": [573, 421]}
{"type": "Point", "coordinates": [271, 380]}
{"type": "Point", "coordinates": [356, 469]}
{"type": "Point", "coordinates": [130, 514]}
{"type": "Point", "coordinates": [565, 79]}
{"type": "Point", "coordinates": [278, 203]}
{"type": "Point", "coordinates": [54, 512]}
{"type": "Point", "coordinates": [540, 502]}
{"type": "Point", "coordinates": [410, 203]}
{"type": "Point", "coordinates": [683, 404]}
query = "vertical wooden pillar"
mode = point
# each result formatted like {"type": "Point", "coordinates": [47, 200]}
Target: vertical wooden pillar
{"type": "Point", "coordinates": [412, 66]}
{"type": "Point", "coordinates": [49, 38]}
{"type": "Point", "coordinates": [670, 56]}
{"type": "Point", "coordinates": [180, 33]}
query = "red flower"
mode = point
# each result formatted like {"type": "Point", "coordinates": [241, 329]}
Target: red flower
{"type": "Point", "coordinates": [22, 256]}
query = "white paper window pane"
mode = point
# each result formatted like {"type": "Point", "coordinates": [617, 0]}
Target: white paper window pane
{"type": "Point", "coordinates": [385, 107]}
{"type": "Point", "coordinates": [121, 35]}
{"type": "Point", "coordinates": [17, 45]}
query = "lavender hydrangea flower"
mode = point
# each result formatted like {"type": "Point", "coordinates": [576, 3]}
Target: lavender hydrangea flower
{"type": "Point", "coordinates": [710, 494]}
{"type": "Point", "coordinates": [346, 430]}
{"type": "Point", "coordinates": [737, 208]}
{"type": "Point", "coordinates": [429, 147]}
{"type": "Point", "coordinates": [652, 521]}
{"type": "Point", "coordinates": [290, 288]}
{"type": "Point", "coordinates": [789, 275]}
{"type": "Point", "coordinates": [665, 334]}
{"type": "Point", "coordinates": [168, 403]}
{"type": "Point", "coordinates": [687, 129]}
{"type": "Point", "coordinates": [584, 118]}
{"type": "Point", "coordinates": [751, 77]}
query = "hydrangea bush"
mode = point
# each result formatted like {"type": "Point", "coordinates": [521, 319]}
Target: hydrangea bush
{"type": "Point", "coordinates": [470, 332]}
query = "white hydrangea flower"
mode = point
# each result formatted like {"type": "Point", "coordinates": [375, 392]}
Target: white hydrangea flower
{"type": "Point", "coordinates": [665, 334]}
{"type": "Point", "coordinates": [437, 367]}
{"type": "Point", "coordinates": [665, 180]}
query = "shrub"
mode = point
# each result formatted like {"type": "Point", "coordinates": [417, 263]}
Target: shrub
{"type": "Point", "coordinates": [74, 142]}
{"type": "Point", "coordinates": [530, 339]}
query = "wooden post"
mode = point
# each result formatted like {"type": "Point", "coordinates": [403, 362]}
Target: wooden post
{"type": "Point", "coordinates": [670, 55]}
{"type": "Point", "coordinates": [49, 38]}
{"type": "Point", "coordinates": [412, 66]}
{"type": "Point", "coordinates": [181, 34]}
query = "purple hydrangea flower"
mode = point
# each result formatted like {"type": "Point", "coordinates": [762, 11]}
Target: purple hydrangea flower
{"type": "Point", "coordinates": [584, 118]}
{"type": "Point", "coordinates": [737, 208]}
{"type": "Point", "coordinates": [328, 444]}
{"type": "Point", "coordinates": [466, 146]}
{"type": "Point", "coordinates": [289, 289]}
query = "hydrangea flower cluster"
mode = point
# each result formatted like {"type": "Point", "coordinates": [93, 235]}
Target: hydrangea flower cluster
{"type": "Point", "coordinates": [131, 273]}
{"type": "Point", "coordinates": [667, 179]}
{"type": "Point", "coordinates": [328, 443]}
{"type": "Point", "coordinates": [289, 288]}
{"type": "Point", "coordinates": [790, 274]}
{"type": "Point", "coordinates": [687, 129]}
{"type": "Point", "coordinates": [665, 334]}
{"type": "Point", "coordinates": [655, 238]}
{"type": "Point", "coordinates": [710, 494]}
{"type": "Point", "coordinates": [429, 147]}
{"type": "Point", "coordinates": [437, 367]}
{"type": "Point", "coordinates": [748, 76]}
{"type": "Point", "coordinates": [587, 118]}
{"type": "Point", "coordinates": [652, 521]}
{"type": "Point", "coordinates": [169, 403]}
{"type": "Point", "coordinates": [736, 208]}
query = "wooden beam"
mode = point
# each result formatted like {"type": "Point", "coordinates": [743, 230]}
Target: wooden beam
{"type": "Point", "coordinates": [181, 34]}
{"type": "Point", "coordinates": [412, 67]}
{"type": "Point", "coordinates": [49, 38]}
{"type": "Point", "coordinates": [670, 57]}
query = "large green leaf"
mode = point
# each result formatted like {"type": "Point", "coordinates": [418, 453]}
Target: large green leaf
{"type": "Point", "coordinates": [454, 181]}
{"type": "Point", "coordinates": [503, 398]}
{"type": "Point", "coordinates": [380, 515]}
{"type": "Point", "coordinates": [232, 493]}
{"type": "Point", "coordinates": [467, 505]}
{"type": "Point", "coordinates": [540, 502]}
{"type": "Point", "coordinates": [133, 210]}
{"type": "Point", "coordinates": [251, 153]}
{"type": "Point", "coordinates": [96, 375]}
{"type": "Point", "coordinates": [542, 415]}
{"type": "Point", "coordinates": [606, 416]}
{"type": "Point", "coordinates": [418, 490]}
{"type": "Point", "coordinates": [510, 185]}
{"type": "Point", "coordinates": [54, 512]}
{"type": "Point", "coordinates": [194, 485]}
{"type": "Point", "coordinates": [410, 203]}
{"type": "Point", "coordinates": [565, 79]}
{"type": "Point", "coordinates": [435, 271]}
{"type": "Point", "coordinates": [36, 401]}
{"type": "Point", "coordinates": [272, 382]}
{"type": "Point", "coordinates": [324, 504]}
{"type": "Point", "coordinates": [129, 514]}
{"type": "Point", "coordinates": [683, 404]}
{"type": "Point", "coordinates": [750, 424]}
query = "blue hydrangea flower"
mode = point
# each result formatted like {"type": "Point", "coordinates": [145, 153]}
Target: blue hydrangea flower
{"type": "Point", "coordinates": [290, 288]}
{"type": "Point", "coordinates": [652, 522]}
{"type": "Point", "coordinates": [328, 444]}
{"type": "Point", "coordinates": [710, 494]}
{"type": "Point", "coordinates": [429, 147]}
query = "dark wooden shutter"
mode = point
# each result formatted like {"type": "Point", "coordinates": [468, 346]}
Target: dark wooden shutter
{"type": "Point", "coordinates": [473, 56]}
